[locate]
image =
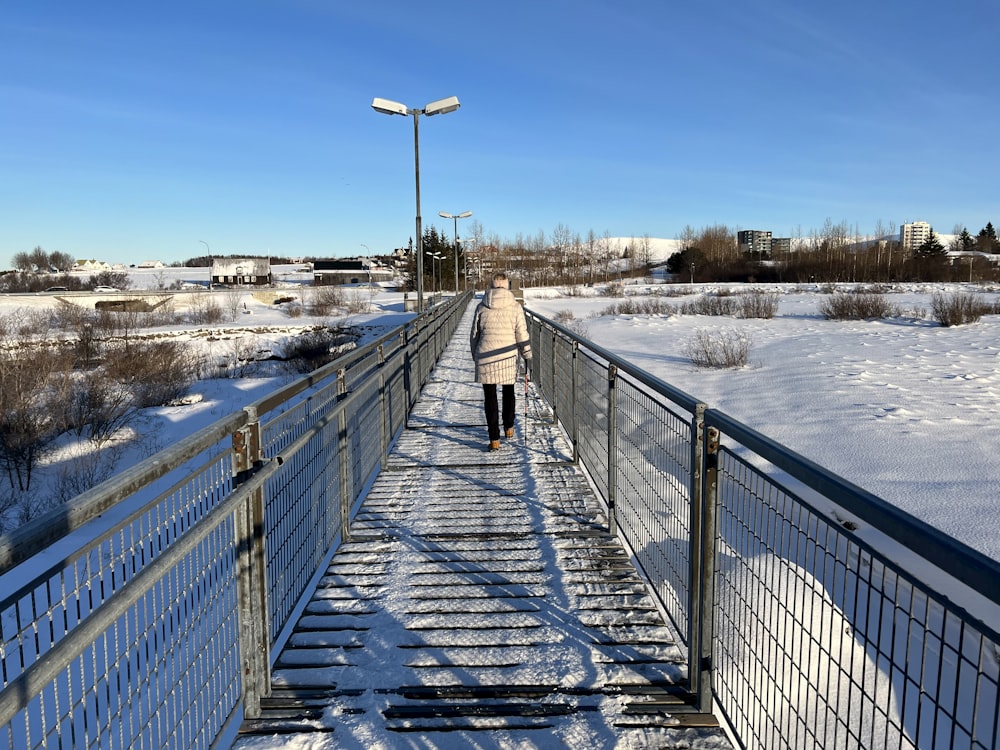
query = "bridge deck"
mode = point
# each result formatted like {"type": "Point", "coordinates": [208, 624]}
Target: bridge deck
{"type": "Point", "coordinates": [481, 602]}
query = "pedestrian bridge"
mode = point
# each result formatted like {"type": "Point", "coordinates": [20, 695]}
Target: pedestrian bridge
{"type": "Point", "coordinates": [481, 592]}
{"type": "Point", "coordinates": [344, 560]}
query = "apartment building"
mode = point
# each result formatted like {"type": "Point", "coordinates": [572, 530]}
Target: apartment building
{"type": "Point", "coordinates": [912, 236]}
{"type": "Point", "coordinates": [754, 241]}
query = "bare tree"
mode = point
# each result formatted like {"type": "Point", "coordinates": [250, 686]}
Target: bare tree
{"type": "Point", "coordinates": [35, 384]}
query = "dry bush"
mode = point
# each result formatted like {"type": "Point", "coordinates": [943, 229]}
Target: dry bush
{"type": "Point", "coordinates": [244, 361]}
{"type": "Point", "coordinates": [35, 385]}
{"type": "Point", "coordinates": [725, 304]}
{"type": "Point", "coordinates": [232, 301]}
{"type": "Point", "coordinates": [640, 306]}
{"type": "Point", "coordinates": [614, 289]}
{"type": "Point", "coordinates": [100, 406]}
{"type": "Point", "coordinates": [67, 317]}
{"type": "Point", "coordinates": [358, 303]}
{"type": "Point", "coordinates": [85, 472]}
{"type": "Point", "coordinates": [311, 350]}
{"type": "Point", "coordinates": [204, 310]}
{"type": "Point", "coordinates": [157, 371]}
{"type": "Point", "coordinates": [958, 309]}
{"type": "Point", "coordinates": [22, 323]}
{"type": "Point", "coordinates": [719, 349]}
{"type": "Point", "coordinates": [564, 317]}
{"type": "Point", "coordinates": [325, 299]}
{"type": "Point", "coordinates": [860, 306]}
{"type": "Point", "coordinates": [757, 303]}
{"type": "Point", "coordinates": [315, 348]}
{"type": "Point", "coordinates": [674, 290]}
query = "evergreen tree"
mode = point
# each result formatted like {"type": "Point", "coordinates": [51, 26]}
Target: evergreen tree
{"type": "Point", "coordinates": [680, 263]}
{"type": "Point", "coordinates": [965, 241]}
{"type": "Point", "coordinates": [986, 241]}
{"type": "Point", "coordinates": [931, 247]}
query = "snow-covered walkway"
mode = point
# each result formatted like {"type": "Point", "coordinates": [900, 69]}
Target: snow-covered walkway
{"type": "Point", "coordinates": [481, 602]}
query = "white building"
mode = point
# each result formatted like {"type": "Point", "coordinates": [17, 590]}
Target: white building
{"type": "Point", "coordinates": [91, 266]}
{"type": "Point", "coordinates": [242, 271]}
{"type": "Point", "coordinates": [912, 236]}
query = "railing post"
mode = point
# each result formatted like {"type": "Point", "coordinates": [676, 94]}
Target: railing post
{"type": "Point", "coordinates": [612, 446]}
{"type": "Point", "coordinates": [251, 572]}
{"type": "Point", "coordinates": [703, 566]}
{"type": "Point", "coordinates": [383, 404]}
{"type": "Point", "coordinates": [343, 454]}
{"type": "Point", "coordinates": [575, 377]}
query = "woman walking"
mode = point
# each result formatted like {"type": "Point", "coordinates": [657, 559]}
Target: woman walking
{"type": "Point", "coordinates": [499, 333]}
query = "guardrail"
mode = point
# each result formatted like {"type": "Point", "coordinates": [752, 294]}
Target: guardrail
{"type": "Point", "coordinates": [814, 613]}
{"type": "Point", "coordinates": [145, 612]}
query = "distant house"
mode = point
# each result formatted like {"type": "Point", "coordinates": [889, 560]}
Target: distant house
{"type": "Point", "coordinates": [91, 266]}
{"type": "Point", "coordinates": [152, 264]}
{"type": "Point", "coordinates": [350, 271]}
{"type": "Point", "coordinates": [242, 271]}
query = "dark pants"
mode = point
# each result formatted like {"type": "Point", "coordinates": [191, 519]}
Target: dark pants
{"type": "Point", "coordinates": [493, 413]}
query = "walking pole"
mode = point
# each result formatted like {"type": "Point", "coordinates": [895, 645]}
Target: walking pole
{"type": "Point", "coordinates": [524, 428]}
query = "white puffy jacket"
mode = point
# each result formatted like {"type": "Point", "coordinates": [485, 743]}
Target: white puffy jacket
{"type": "Point", "coordinates": [499, 333]}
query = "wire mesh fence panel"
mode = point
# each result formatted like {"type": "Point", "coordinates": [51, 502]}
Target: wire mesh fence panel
{"type": "Point", "coordinates": [164, 671]}
{"type": "Point", "coordinates": [302, 518]}
{"type": "Point", "coordinates": [653, 512]}
{"type": "Point", "coordinates": [592, 406]}
{"type": "Point", "coordinates": [823, 640]}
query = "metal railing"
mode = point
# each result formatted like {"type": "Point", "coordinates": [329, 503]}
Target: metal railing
{"type": "Point", "coordinates": [814, 613]}
{"type": "Point", "coordinates": [146, 612]}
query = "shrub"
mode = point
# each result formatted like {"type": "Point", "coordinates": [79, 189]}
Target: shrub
{"type": "Point", "coordinates": [719, 349]}
{"type": "Point", "coordinates": [100, 406]}
{"type": "Point", "coordinates": [860, 306]}
{"type": "Point", "coordinates": [204, 310]}
{"type": "Point", "coordinates": [312, 350]}
{"type": "Point", "coordinates": [757, 304]}
{"type": "Point", "coordinates": [359, 303]}
{"type": "Point", "coordinates": [157, 371]}
{"type": "Point", "coordinates": [957, 309]}
{"type": "Point", "coordinates": [710, 305]}
{"type": "Point", "coordinates": [640, 306]}
{"type": "Point", "coordinates": [324, 299]}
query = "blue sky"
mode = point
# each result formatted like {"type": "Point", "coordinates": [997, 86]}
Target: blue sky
{"type": "Point", "coordinates": [131, 131]}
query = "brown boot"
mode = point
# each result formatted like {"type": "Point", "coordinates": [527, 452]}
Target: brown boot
{"type": "Point", "coordinates": [494, 445]}
{"type": "Point", "coordinates": [510, 432]}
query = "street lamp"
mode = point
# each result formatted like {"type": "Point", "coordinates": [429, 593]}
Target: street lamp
{"type": "Point", "coordinates": [439, 107]}
{"type": "Point", "coordinates": [456, 217]}
{"type": "Point", "coordinates": [209, 262]}
{"type": "Point", "coordinates": [435, 276]}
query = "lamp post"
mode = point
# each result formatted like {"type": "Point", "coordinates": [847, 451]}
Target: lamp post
{"type": "Point", "coordinates": [455, 217]}
{"type": "Point", "coordinates": [209, 262]}
{"type": "Point", "coordinates": [435, 275]}
{"type": "Point", "coordinates": [439, 107]}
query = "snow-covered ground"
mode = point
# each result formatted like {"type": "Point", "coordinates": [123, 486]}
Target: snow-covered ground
{"type": "Point", "coordinates": [903, 407]}
{"type": "Point", "coordinates": [251, 325]}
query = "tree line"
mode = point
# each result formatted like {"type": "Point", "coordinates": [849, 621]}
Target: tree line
{"type": "Point", "coordinates": [834, 253]}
